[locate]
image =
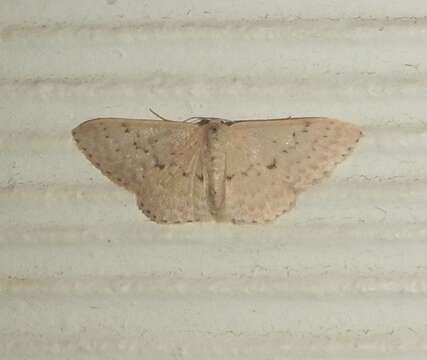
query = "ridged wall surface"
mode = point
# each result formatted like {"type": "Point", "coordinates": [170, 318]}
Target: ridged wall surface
{"type": "Point", "coordinates": [84, 275]}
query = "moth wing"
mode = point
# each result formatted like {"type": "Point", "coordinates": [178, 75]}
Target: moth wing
{"type": "Point", "coordinates": [157, 160]}
{"type": "Point", "coordinates": [270, 161]}
{"type": "Point", "coordinates": [177, 193]}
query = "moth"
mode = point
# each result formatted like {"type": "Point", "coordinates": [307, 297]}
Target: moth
{"type": "Point", "coordinates": [207, 169]}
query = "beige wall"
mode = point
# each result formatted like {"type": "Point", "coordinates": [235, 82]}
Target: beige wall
{"type": "Point", "coordinates": [84, 275]}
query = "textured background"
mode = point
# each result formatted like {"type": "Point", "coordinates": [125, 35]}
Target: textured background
{"type": "Point", "coordinates": [84, 275]}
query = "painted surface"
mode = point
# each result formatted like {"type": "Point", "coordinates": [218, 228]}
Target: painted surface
{"type": "Point", "coordinates": [84, 275]}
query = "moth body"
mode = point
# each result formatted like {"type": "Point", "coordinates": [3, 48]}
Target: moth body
{"type": "Point", "coordinates": [215, 163]}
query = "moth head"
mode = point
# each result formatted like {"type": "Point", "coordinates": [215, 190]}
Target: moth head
{"type": "Point", "coordinates": [201, 120]}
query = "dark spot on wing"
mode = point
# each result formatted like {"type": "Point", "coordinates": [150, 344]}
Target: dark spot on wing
{"type": "Point", "coordinates": [160, 166]}
{"type": "Point", "coordinates": [185, 174]}
{"type": "Point", "coordinates": [244, 173]}
{"type": "Point", "coordinates": [77, 140]}
{"type": "Point", "coordinates": [146, 151]}
{"type": "Point", "coordinates": [119, 179]}
{"type": "Point", "coordinates": [200, 177]}
{"type": "Point", "coordinates": [272, 165]}
{"type": "Point", "coordinates": [98, 164]}
{"type": "Point", "coordinates": [229, 177]}
{"type": "Point", "coordinates": [307, 124]}
{"type": "Point", "coordinates": [305, 130]}
{"type": "Point", "coordinates": [117, 150]}
{"type": "Point", "coordinates": [274, 141]}
{"type": "Point", "coordinates": [285, 151]}
{"type": "Point", "coordinates": [107, 137]}
{"type": "Point", "coordinates": [127, 130]}
{"type": "Point", "coordinates": [89, 156]}
{"type": "Point", "coordinates": [293, 134]}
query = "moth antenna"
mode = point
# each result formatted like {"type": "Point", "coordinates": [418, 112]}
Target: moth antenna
{"type": "Point", "coordinates": [160, 117]}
